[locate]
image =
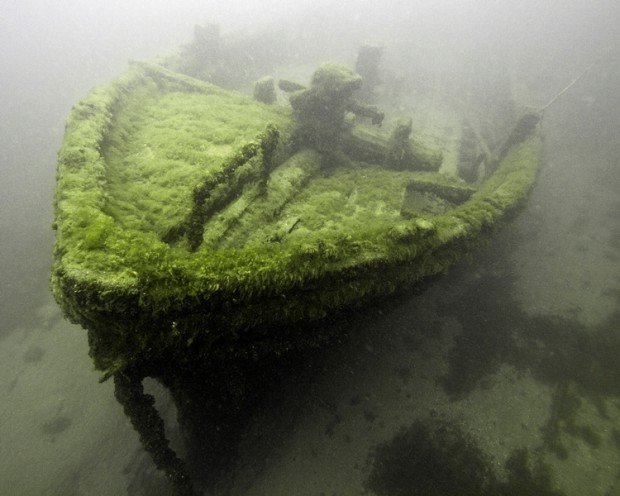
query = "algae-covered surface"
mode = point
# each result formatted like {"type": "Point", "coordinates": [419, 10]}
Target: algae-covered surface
{"type": "Point", "coordinates": [303, 201]}
{"type": "Point", "coordinates": [183, 205]}
{"type": "Point", "coordinates": [133, 153]}
{"type": "Point", "coordinates": [162, 144]}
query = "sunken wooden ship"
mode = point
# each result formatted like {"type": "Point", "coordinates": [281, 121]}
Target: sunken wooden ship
{"type": "Point", "coordinates": [198, 227]}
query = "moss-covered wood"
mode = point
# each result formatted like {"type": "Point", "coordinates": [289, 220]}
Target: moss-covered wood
{"type": "Point", "coordinates": [277, 240]}
{"type": "Point", "coordinates": [265, 90]}
{"type": "Point", "coordinates": [396, 152]}
{"type": "Point", "coordinates": [320, 110]}
{"type": "Point", "coordinates": [140, 408]}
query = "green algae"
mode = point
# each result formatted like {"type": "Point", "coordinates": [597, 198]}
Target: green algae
{"type": "Point", "coordinates": [280, 248]}
{"type": "Point", "coordinates": [370, 145]}
{"type": "Point", "coordinates": [161, 146]}
{"type": "Point", "coordinates": [320, 110]}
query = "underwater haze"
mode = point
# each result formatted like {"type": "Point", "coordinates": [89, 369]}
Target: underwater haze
{"type": "Point", "coordinates": [499, 378]}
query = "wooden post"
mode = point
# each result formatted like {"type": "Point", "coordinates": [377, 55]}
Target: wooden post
{"type": "Point", "coordinates": [140, 408]}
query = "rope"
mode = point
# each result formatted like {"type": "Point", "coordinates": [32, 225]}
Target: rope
{"type": "Point", "coordinates": [586, 70]}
